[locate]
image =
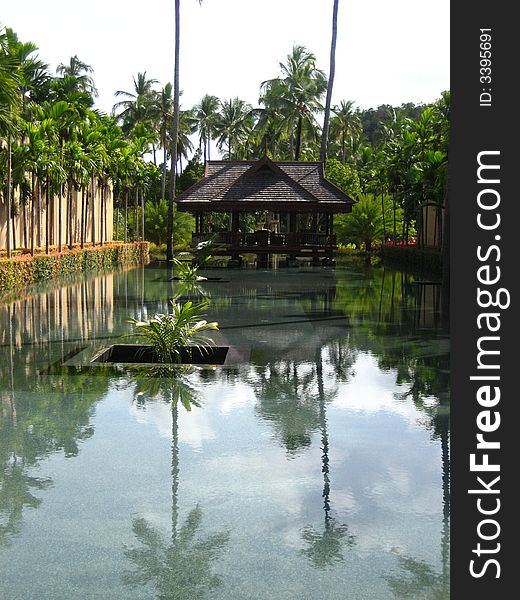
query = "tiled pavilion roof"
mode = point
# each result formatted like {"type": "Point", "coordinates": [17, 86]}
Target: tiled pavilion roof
{"type": "Point", "coordinates": [264, 184]}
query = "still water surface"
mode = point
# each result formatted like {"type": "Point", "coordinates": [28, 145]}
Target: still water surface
{"type": "Point", "coordinates": [317, 467]}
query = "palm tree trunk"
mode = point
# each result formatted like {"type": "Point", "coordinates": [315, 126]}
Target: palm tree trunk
{"type": "Point", "coordinates": [325, 133]}
{"type": "Point", "coordinates": [24, 218]}
{"type": "Point", "coordinates": [32, 212]}
{"type": "Point", "coordinates": [60, 218]}
{"type": "Point", "coordinates": [82, 217]}
{"type": "Point", "coordinates": [126, 215]}
{"type": "Point", "coordinates": [395, 225]}
{"type": "Point", "coordinates": [47, 216]}
{"type": "Point", "coordinates": [39, 215]}
{"type": "Point", "coordinates": [175, 132]}
{"type": "Point", "coordinates": [383, 214]}
{"type": "Point", "coordinates": [142, 216]}
{"type": "Point", "coordinates": [93, 207]}
{"type": "Point", "coordinates": [136, 222]}
{"type": "Point", "coordinates": [69, 206]}
{"type": "Point", "coordinates": [8, 199]}
{"type": "Point", "coordinates": [117, 221]}
{"type": "Point", "coordinates": [298, 138]}
{"type": "Point", "coordinates": [101, 214]}
{"type": "Point", "coordinates": [105, 214]}
{"type": "Point", "coordinates": [163, 180]}
{"type": "Point", "coordinates": [13, 220]}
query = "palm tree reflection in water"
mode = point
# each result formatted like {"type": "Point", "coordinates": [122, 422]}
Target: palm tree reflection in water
{"type": "Point", "coordinates": [293, 399]}
{"type": "Point", "coordinates": [325, 547]}
{"type": "Point", "coordinates": [180, 568]}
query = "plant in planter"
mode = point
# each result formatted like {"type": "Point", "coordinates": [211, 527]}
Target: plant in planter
{"type": "Point", "coordinates": [171, 334]}
{"type": "Point", "coordinates": [186, 271]}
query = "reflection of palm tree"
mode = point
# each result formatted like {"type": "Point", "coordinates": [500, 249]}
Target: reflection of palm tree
{"type": "Point", "coordinates": [287, 401]}
{"type": "Point", "coordinates": [325, 548]}
{"type": "Point", "coordinates": [180, 569]}
{"type": "Point", "coordinates": [425, 583]}
{"type": "Point", "coordinates": [15, 494]}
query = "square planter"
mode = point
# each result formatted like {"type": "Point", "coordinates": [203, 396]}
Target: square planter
{"type": "Point", "coordinates": [140, 353]}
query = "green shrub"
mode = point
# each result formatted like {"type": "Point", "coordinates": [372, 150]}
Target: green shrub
{"type": "Point", "coordinates": [23, 269]}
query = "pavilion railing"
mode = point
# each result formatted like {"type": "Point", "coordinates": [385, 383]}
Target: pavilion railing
{"type": "Point", "coordinates": [265, 238]}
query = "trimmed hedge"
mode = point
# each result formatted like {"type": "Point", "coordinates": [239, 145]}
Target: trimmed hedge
{"type": "Point", "coordinates": [421, 259]}
{"type": "Point", "coordinates": [23, 270]}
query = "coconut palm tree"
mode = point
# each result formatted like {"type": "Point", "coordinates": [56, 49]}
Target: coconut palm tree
{"type": "Point", "coordinates": [175, 129]}
{"type": "Point", "coordinates": [206, 113]}
{"type": "Point", "coordinates": [271, 125]}
{"type": "Point", "coordinates": [345, 127]}
{"type": "Point", "coordinates": [233, 125]}
{"type": "Point", "coordinates": [332, 70]}
{"type": "Point", "coordinates": [163, 115]}
{"type": "Point", "coordinates": [138, 104]}
{"type": "Point", "coordinates": [187, 126]}
{"type": "Point", "coordinates": [301, 86]}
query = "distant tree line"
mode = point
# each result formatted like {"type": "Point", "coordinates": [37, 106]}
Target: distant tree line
{"type": "Point", "coordinates": [51, 137]}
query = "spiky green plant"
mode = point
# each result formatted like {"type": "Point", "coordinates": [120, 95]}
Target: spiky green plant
{"type": "Point", "coordinates": [186, 271]}
{"type": "Point", "coordinates": [185, 326]}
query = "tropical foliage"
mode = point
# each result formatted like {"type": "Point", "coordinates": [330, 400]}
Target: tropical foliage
{"type": "Point", "coordinates": [168, 333]}
{"type": "Point", "coordinates": [53, 142]}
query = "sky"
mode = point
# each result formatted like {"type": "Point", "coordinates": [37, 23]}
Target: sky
{"type": "Point", "coordinates": [388, 51]}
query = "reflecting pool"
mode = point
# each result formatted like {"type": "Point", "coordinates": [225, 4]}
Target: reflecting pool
{"type": "Point", "coordinates": [315, 466]}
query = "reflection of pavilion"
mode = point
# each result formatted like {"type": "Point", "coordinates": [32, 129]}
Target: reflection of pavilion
{"type": "Point", "coordinates": [298, 201]}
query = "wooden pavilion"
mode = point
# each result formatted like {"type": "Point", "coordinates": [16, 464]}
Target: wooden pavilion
{"type": "Point", "coordinates": [295, 202]}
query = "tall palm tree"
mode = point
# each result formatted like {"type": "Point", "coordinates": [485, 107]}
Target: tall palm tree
{"type": "Point", "coordinates": [81, 72]}
{"type": "Point", "coordinates": [163, 113]}
{"type": "Point", "coordinates": [175, 130]}
{"type": "Point", "coordinates": [332, 70]}
{"type": "Point", "coordinates": [272, 127]}
{"type": "Point", "coordinates": [138, 104]}
{"type": "Point", "coordinates": [206, 113]}
{"type": "Point", "coordinates": [302, 86]}
{"type": "Point", "coordinates": [9, 110]}
{"type": "Point", "coordinates": [187, 126]}
{"type": "Point", "coordinates": [233, 125]}
{"type": "Point", "coordinates": [345, 126]}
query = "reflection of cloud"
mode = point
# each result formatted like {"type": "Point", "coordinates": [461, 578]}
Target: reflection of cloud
{"type": "Point", "coordinates": [157, 414]}
{"type": "Point", "coordinates": [249, 474]}
{"type": "Point", "coordinates": [371, 390]}
{"type": "Point", "coordinates": [194, 426]}
{"type": "Point", "coordinates": [238, 396]}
